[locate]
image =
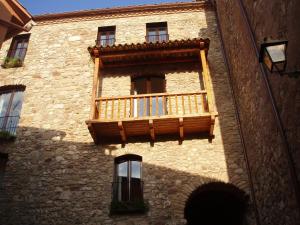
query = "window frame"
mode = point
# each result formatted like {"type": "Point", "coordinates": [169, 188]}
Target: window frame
{"type": "Point", "coordinates": [12, 90]}
{"type": "Point", "coordinates": [106, 31]}
{"type": "Point", "coordinates": [139, 107]}
{"type": "Point", "coordinates": [129, 158]}
{"type": "Point", "coordinates": [157, 27]}
{"type": "Point", "coordinates": [13, 49]}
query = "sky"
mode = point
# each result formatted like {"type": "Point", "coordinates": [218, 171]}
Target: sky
{"type": "Point", "coordinates": [36, 7]}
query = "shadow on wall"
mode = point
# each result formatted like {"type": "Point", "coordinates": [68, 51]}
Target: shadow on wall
{"type": "Point", "coordinates": [146, 70]}
{"type": "Point", "coordinates": [53, 181]}
{"type": "Point", "coordinates": [227, 119]}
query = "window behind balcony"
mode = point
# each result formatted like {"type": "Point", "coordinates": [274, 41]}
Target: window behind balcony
{"type": "Point", "coordinates": [17, 50]}
{"type": "Point", "coordinates": [106, 36]}
{"type": "Point", "coordinates": [11, 98]}
{"type": "Point", "coordinates": [157, 32]}
{"type": "Point", "coordinates": [128, 184]}
{"type": "Point", "coordinates": [148, 105]}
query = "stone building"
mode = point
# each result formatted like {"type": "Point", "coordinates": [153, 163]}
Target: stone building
{"type": "Point", "coordinates": [137, 127]}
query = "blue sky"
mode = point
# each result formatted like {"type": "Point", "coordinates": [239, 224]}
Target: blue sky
{"type": "Point", "coordinates": [36, 7]}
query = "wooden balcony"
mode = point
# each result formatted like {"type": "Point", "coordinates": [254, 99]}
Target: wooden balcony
{"type": "Point", "coordinates": [117, 119]}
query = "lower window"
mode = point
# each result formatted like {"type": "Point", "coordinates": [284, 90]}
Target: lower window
{"type": "Point", "coordinates": [128, 185]}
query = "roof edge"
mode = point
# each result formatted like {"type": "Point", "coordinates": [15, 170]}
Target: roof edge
{"type": "Point", "coordinates": [121, 10]}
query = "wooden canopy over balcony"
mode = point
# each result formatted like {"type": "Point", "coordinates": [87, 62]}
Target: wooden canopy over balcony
{"type": "Point", "coordinates": [117, 119]}
{"type": "Point", "coordinates": [150, 53]}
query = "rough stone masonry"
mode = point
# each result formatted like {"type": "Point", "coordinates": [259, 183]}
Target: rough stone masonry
{"type": "Point", "coordinates": [57, 175]}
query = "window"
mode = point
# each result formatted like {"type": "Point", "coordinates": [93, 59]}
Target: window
{"type": "Point", "coordinates": [106, 36]}
{"type": "Point", "coordinates": [128, 185]}
{"type": "Point", "coordinates": [148, 85]}
{"type": "Point", "coordinates": [157, 32]}
{"type": "Point", "coordinates": [17, 51]}
{"type": "Point", "coordinates": [11, 98]}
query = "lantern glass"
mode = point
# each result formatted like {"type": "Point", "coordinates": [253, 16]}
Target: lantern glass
{"type": "Point", "coordinates": [273, 54]}
{"type": "Point", "coordinates": [276, 52]}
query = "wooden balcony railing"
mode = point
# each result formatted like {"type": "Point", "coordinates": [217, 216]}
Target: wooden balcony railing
{"type": "Point", "coordinates": [150, 105]}
{"type": "Point", "coordinates": [117, 118]}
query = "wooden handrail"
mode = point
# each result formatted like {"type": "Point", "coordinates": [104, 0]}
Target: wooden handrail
{"type": "Point", "coordinates": [151, 105]}
{"type": "Point", "coordinates": [149, 95]}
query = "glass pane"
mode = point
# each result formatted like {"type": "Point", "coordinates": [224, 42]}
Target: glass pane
{"type": "Point", "coordinates": [19, 45]}
{"type": "Point", "coordinates": [143, 107]}
{"type": "Point", "coordinates": [277, 52]}
{"type": "Point", "coordinates": [4, 101]}
{"type": "Point", "coordinates": [135, 169]}
{"type": "Point", "coordinates": [159, 104]}
{"type": "Point", "coordinates": [16, 104]}
{"type": "Point", "coordinates": [103, 37]}
{"type": "Point", "coordinates": [12, 124]}
{"type": "Point", "coordinates": [152, 32]}
{"type": "Point", "coordinates": [162, 32]}
{"type": "Point", "coordinates": [122, 182]}
{"type": "Point", "coordinates": [17, 53]}
{"type": "Point", "coordinates": [122, 169]}
{"type": "Point", "coordinates": [152, 36]}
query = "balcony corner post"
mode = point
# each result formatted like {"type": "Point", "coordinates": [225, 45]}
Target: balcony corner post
{"type": "Point", "coordinates": [207, 81]}
{"type": "Point", "coordinates": [93, 113]}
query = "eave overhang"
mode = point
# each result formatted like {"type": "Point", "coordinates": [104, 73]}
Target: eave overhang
{"type": "Point", "coordinates": [20, 20]}
{"type": "Point", "coordinates": [172, 51]}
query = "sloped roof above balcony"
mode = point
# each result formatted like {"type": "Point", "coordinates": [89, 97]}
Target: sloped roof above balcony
{"type": "Point", "coordinates": [172, 51]}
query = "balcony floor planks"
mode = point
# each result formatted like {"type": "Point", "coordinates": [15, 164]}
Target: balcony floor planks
{"type": "Point", "coordinates": [108, 131]}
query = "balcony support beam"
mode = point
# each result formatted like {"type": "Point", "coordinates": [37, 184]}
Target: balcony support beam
{"type": "Point", "coordinates": [94, 113]}
{"type": "Point", "coordinates": [212, 125]}
{"type": "Point", "coordinates": [151, 128]}
{"type": "Point", "coordinates": [122, 131]}
{"type": "Point", "coordinates": [181, 132]}
{"type": "Point", "coordinates": [92, 132]}
{"type": "Point", "coordinates": [207, 81]}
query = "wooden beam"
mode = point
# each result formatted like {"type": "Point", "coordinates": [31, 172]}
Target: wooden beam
{"type": "Point", "coordinates": [122, 131]}
{"type": "Point", "coordinates": [207, 80]}
{"type": "Point", "coordinates": [181, 132]}
{"type": "Point", "coordinates": [212, 125]}
{"type": "Point", "coordinates": [151, 128]}
{"type": "Point", "coordinates": [92, 132]}
{"type": "Point", "coordinates": [148, 62]}
{"type": "Point", "coordinates": [149, 53]}
{"type": "Point", "coordinates": [95, 88]}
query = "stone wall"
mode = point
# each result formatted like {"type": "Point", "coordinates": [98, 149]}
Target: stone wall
{"type": "Point", "coordinates": [57, 175]}
{"type": "Point", "coordinates": [269, 166]}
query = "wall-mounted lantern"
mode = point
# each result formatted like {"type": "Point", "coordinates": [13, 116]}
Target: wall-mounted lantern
{"type": "Point", "coordinates": [273, 55]}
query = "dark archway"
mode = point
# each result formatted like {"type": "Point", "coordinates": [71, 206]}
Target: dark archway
{"type": "Point", "coordinates": [216, 203]}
